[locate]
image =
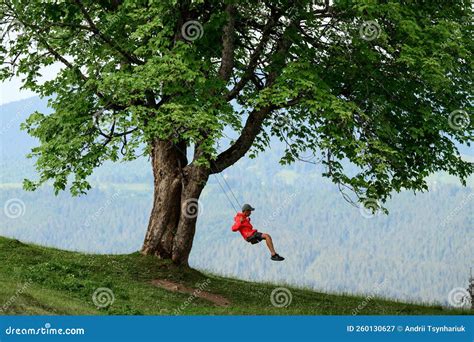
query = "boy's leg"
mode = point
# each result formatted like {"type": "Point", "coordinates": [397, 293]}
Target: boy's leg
{"type": "Point", "coordinates": [269, 241]}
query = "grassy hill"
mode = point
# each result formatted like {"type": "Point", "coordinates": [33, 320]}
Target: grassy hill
{"type": "Point", "coordinates": [37, 280]}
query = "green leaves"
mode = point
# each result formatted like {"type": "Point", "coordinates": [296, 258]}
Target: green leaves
{"type": "Point", "coordinates": [379, 85]}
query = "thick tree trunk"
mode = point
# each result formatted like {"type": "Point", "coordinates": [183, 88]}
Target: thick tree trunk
{"type": "Point", "coordinates": [195, 180]}
{"type": "Point", "coordinates": [177, 188]}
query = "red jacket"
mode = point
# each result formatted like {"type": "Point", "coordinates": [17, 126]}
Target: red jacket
{"type": "Point", "coordinates": [243, 225]}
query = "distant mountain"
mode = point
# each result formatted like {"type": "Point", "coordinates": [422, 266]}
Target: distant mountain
{"type": "Point", "coordinates": [11, 116]}
{"type": "Point", "coordinates": [421, 251]}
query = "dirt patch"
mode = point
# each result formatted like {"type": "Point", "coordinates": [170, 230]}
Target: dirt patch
{"type": "Point", "coordinates": [176, 287]}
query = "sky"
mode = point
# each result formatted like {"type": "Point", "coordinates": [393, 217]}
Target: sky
{"type": "Point", "coordinates": [10, 90]}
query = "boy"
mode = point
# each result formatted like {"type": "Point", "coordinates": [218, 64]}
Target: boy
{"type": "Point", "coordinates": [243, 225]}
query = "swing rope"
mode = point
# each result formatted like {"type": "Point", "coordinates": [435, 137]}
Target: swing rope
{"type": "Point", "coordinates": [220, 185]}
{"type": "Point", "coordinates": [225, 192]}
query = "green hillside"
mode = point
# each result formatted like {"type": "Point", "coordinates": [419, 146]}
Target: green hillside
{"type": "Point", "coordinates": [46, 281]}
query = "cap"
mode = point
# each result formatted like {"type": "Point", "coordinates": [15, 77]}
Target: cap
{"type": "Point", "coordinates": [247, 207]}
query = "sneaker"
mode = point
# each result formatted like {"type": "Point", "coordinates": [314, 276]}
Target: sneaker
{"type": "Point", "coordinates": [276, 257]}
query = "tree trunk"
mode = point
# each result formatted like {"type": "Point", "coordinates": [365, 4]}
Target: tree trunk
{"type": "Point", "coordinates": [177, 188]}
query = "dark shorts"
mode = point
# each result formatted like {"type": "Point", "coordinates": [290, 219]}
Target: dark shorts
{"type": "Point", "coordinates": [255, 238]}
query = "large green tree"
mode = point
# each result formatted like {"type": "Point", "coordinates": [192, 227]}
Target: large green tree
{"type": "Point", "coordinates": [384, 85]}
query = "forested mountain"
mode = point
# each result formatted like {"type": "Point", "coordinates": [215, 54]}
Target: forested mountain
{"type": "Point", "coordinates": [420, 251]}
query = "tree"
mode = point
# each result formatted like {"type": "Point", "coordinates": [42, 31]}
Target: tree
{"type": "Point", "coordinates": [384, 85]}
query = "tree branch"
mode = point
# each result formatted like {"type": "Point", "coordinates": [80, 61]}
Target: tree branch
{"type": "Point", "coordinates": [252, 127]}
{"type": "Point", "coordinates": [253, 61]}
{"type": "Point", "coordinates": [95, 30]}
{"type": "Point", "coordinates": [227, 63]}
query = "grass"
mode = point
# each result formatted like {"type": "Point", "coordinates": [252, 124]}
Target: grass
{"type": "Point", "coordinates": [36, 280]}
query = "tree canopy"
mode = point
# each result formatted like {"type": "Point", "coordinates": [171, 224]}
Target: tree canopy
{"type": "Point", "coordinates": [384, 85]}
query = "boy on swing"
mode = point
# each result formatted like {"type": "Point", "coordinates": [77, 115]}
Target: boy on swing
{"type": "Point", "coordinates": [243, 225]}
